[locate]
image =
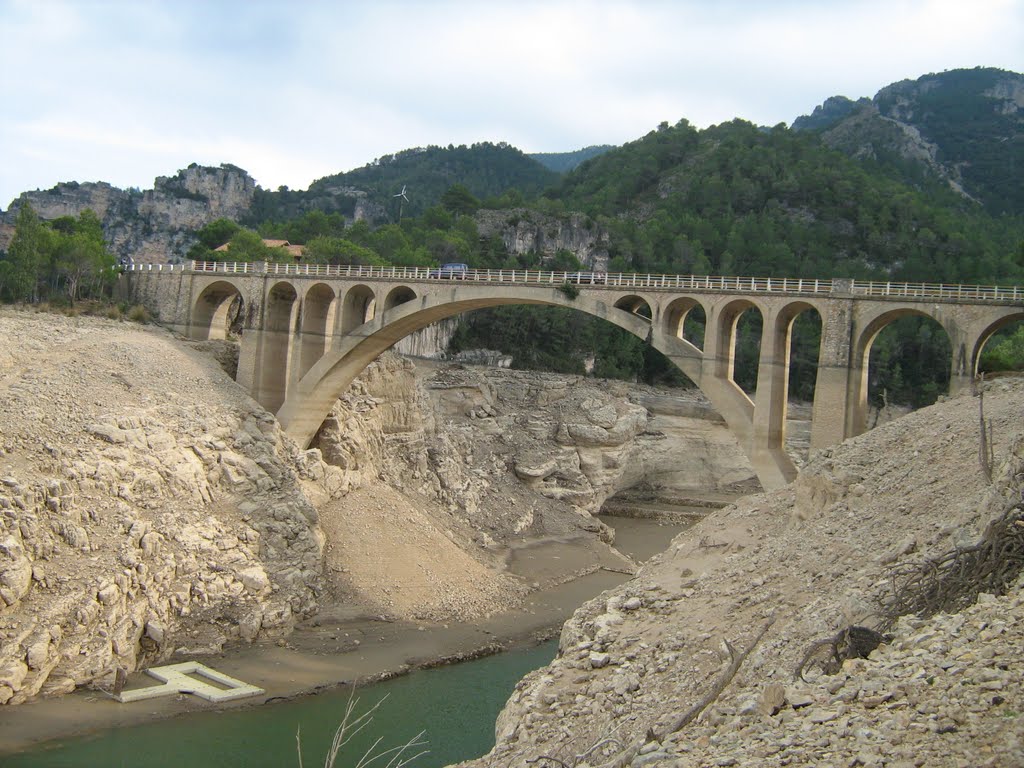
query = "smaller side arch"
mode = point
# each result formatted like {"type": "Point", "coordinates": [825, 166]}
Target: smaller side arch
{"type": "Point", "coordinates": [212, 310]}
{"type": "Point", "coordinates": [675, 314]}
{"type": "Point", "coordinates": [720, 337]}
{"type": "Point", "coordinates": [358, 307]}
{"type": "Point", "coordinates": [635, 305]}
{"type": "Point", "coordinates": [860, 359]}
{"type": "Point", "coordinates": [772, 395]}
{"type": "Point", "coordinates": [987, 333]}
{"type": "Point", "coordinates": [276, 352]}
{"type": "Point", "coordinates": [398, 295]}
{"type": "Point", "coordinates": [318, 308]}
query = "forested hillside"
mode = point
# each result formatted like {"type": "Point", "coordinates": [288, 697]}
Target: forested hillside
{"type": "Point", "coordinates": [966, 126]}
{"type": "Point", "coordinates": [488, 171]}
{"type": "Point", "coordinates": [561, 162]}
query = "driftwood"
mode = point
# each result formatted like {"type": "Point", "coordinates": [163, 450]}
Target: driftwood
{"type": "Point", "coordinates": [953, 581]}
{"type": "Point", "coordinates": [850, 643]}
{"type": "Point", "coordinates": [944, 584]}
{"type": "Point", "coordinates": [736, 661]}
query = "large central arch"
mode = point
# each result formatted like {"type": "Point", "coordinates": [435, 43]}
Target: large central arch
{"type": "Point", "coordinates": [311, 399]}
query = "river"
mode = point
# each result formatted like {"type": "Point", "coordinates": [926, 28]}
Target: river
{"type": "Point", "coordinates": [456, 705]}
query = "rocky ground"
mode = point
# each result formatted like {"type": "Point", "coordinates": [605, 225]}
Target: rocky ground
{"type": "Point", "coordinates": [799, 565]}
{"type": "Point", "coordinates": [147, 506]}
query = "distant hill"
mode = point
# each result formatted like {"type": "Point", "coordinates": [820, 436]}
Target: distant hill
{"type": "Point", "coordinates": [561, 162]}
{"type": "Point", "coordinates": [486, 170]}
{"type": "Point", "coordinates": [965, 127]}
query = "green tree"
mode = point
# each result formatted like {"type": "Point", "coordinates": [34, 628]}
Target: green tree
{"type": "Point", "coordinates": [338, 250]}
{"type": "Point", "coordinates": [459, 200]}
{"type": "Point", "coordinates": [81, 257]}
{"type": "Point", "coordinates": [247, 245]}
{"type": "Point", "coordinates": [217, 232]}
{"type": "Point", "coordinates": [211, 237]}
{"type": "Point", "coordinates": [28, 256]}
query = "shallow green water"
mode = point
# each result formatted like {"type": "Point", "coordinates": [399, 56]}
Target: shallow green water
{"type": "Point", "coordinates": [455, 705]}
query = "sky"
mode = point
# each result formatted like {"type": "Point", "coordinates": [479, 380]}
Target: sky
{"type": "Point", "coordinates": [124, 91]}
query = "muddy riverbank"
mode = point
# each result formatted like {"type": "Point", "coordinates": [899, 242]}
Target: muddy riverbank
{"type": "Point", "coordinates": [341, 647]}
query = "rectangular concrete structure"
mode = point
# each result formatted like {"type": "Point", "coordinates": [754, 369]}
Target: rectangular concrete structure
{"type": "Point", "coordinates": [187, 678]}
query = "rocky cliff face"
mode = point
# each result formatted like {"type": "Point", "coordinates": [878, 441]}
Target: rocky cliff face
{"type": "Point", "coordinates": [430, 342]}
{"type": "Point", "coordinates": [524, 231]}
{"type": "Point", "coordinates": [515, 453]}
{"type": "Point", "coordinates": [151, 226]}
{"type": "Point", "coordinates": [147, 507]}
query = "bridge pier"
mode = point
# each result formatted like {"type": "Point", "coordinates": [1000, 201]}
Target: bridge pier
{"type": "Point", "coordinates": [768, 442]}
{"type": "Point", "coordinates": [833, 385]}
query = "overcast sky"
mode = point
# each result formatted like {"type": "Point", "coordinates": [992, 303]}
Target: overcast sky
{"type": "Point", "coordinates": [127, 90]}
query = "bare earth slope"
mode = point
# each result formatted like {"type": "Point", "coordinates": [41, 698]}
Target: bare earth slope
{"type": "Point", "coordinates": [814, 557]}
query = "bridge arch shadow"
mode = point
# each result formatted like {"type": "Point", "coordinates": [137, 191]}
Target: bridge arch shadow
{"type": "Point", "coordinates": [358, 307]}
{"type": "Point", "coordinates": [399, 295]}
{"type": "Point", "coordinates": [319, 307]}
{"type": "Point", "coordinates": [276, 356]}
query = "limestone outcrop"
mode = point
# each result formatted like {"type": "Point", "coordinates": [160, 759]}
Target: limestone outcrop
{"type": "Point", "coordinates": [155, 225]}
{"type": "Point", "coordinates": [523, 231]}
{"type": "Point", "coordinates": [147, 507]}
{"type": "Point", "coordinates": [514, 453]}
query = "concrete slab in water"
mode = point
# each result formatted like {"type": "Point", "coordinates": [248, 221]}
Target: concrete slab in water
{"type": "Point", "coordinates": [187, 677]}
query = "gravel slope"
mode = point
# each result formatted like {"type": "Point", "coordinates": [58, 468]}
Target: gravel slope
{"type": "Point", "coordinates": [804, 562]}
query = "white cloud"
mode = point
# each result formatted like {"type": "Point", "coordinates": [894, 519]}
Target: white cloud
{"type": "Point", "coordinates": [124, 91]}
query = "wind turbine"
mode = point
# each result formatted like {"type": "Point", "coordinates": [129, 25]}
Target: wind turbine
{"type": "Point", "coordinates": [401, 202]}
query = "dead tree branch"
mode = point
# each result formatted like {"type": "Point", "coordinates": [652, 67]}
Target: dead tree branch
{"type": "Point", "coordinates": [626, 756]}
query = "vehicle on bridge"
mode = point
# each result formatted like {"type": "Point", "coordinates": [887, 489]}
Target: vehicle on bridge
{"type": "Point", "coordinates": [587, 278]}
{"type": "Point", "coordinates": [451, 271]}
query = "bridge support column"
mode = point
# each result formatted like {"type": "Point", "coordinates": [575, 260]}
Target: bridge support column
{"type": "Point", "coordinates": [767, 450]}
{"type": "Point", "coordinates": [837, 378]}
{"type": "Point", "coordinates": [962, 364]}
{"type": "Point", "coordinates": [248, 361]}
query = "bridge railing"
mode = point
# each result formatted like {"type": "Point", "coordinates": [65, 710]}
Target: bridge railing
{"type": "Point", "coordinates": [618, 280]}
{"type": "Point", "coordinates": [1011, 293]}
{"type": "Point", "coordinates": [523, 277]}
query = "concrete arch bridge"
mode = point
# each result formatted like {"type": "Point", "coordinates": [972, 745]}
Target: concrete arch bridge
{"type": "Point", "coordinates": [310, 329]}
